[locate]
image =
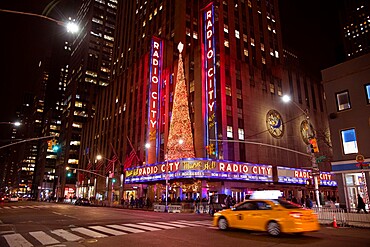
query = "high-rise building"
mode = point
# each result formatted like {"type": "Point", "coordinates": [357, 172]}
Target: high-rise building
{"type": "Point", "coordinates": [356, 28]}
{"type": "Point", "coordinates": [89, 70]}
{"type": "Point", "coordinates": [245, 137]}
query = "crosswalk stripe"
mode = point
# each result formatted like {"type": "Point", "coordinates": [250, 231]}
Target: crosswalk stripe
{"type": "Point", "coordinates": [142, 227]}
{"type": "Point", "coordinates": [16, 240]}
{"type": "Point", "coordinates": [66, 235]}
{"type": "Point", "coordinates": [171, 224]}
{"type": "Point", "coordinates": [107, 230]}
{"type": "Point", "coordinates": [88, 232]}
{"type": "Point", "coordinates": [203, 222]}
{"type": "Point", "coordinates": [185, 223]}
{"type": "Point", "coordinates": [124, 228]}
{"type": "Point", "coordinates": [6, 207]}
{"type": "Point", "coordinates": [43, 238]}
{"type": "Point", "coordinates": [157, 225]}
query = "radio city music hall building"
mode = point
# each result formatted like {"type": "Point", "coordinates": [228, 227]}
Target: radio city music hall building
{"type": "Point", "coordinates": [235, 72]}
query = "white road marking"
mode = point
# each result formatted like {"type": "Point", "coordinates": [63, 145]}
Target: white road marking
{"type": "Point", "coordinates": [16, 240]}
{"type": "Point", "coordinates": [142, 227]}
{"type": "Point", "coordinates": [66, 235]}
{"type": "Point", "coordinates": [171, 224]}
{"type": "Point", "coordinates": [43, 238]}
{"type": "Point", "coordinates": [89, 233]}
{"type": "Point", "coordinates": [124, 228]}
{"type": "Point", "coordinates": [157, 225]}
{"type": "Point", "coordinates": [107, 230]}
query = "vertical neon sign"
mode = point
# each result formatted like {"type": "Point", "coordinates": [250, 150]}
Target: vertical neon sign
{"type": "Point", "coordinates": [209, 60]}
{"type": "Point", "coordinates": [153, 96]}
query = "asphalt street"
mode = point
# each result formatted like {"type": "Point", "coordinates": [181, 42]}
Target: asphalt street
{"type": "Point", "coordinates": [26, 224]}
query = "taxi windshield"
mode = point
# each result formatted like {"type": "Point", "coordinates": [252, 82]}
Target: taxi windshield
{"type": "Point", "coordinates": [287, 204]}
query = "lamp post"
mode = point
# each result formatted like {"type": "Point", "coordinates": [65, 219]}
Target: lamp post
{"type": "Point", "coordinates": [147, 146]}
{"type": "Point", "coordinates": [315, 168]}
{"type": "Point", "coordinates": [107, 195]}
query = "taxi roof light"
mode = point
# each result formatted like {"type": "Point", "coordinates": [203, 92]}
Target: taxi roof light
{"type": "Point", "coordinates": [266, 194]}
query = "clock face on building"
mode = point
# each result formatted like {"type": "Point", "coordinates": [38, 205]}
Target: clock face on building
{"type": "Point", "coordinates": [307, 131]}
{"type": "Point", "coordinates": [274, 123]}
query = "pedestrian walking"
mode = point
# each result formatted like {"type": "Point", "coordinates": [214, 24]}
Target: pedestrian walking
{"type": "Point", "coordinates": [360, 204]}
{"type": "Point", "coordinates": [309, 203]}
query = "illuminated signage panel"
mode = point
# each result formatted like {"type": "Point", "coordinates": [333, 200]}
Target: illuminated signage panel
{"type": "Point", "coordinates": [199, 168]}
{"type": "Point", "coordinates": [299, 176]}
{"type": "Point", "coordinates": [154, 89]}
{"type": "Point", "coordinates": [209, 70]}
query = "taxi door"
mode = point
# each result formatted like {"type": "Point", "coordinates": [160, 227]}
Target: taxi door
{"type": "Point", "coordinates": [261, 215]}
{"type": "Point", "coordinates": [243, 215]}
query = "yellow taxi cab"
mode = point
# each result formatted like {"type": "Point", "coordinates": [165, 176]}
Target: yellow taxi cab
{"type": "Point", "coordinates": [275, 216]}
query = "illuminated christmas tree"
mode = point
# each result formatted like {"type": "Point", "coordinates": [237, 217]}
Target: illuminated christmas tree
{"type": "Point", "coordinates": [180, 137]}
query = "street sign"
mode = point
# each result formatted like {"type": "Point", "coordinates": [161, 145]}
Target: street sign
{"type": "Point", "coordinates": [320, 158]}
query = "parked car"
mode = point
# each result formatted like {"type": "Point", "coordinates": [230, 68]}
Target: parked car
{"type": "Point", "coordinates": [82, 202]}
{"type": "Point", "coordinates": [13, 199]}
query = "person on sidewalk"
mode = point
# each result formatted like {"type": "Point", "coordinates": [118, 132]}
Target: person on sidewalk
{"type": "Point", "coordinates": [360, 204]}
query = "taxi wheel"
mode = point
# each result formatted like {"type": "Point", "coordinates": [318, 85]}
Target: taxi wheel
{"type": "Point", "coordinates": [273, 228]}
{"type": "Point", "coordinates": [222, 224]}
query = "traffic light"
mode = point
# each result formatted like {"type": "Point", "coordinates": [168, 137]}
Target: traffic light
{"type": "Point", "coordinates": [313, 145]}
{"type": "Point", "coordinates": [55, 145]}
{"type": "Point", "coordinates": [69, 174]}
{"type": "Point", "coordinates": [113, 180]}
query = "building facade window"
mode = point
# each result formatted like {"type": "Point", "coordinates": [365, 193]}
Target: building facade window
{"type": "Point", "coordinates": [343, 101]}
{"type": "Point", "coordinates": [349, 141]}
{"type": "Point", "coordinates": [230, 131]}
{"type": "Point", "coordinates": [367, 91]}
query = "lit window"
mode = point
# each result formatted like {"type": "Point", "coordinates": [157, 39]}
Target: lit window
{"type": "Point", "coordinates": [150, 16]}
{"type": "Point", "coordinates": [349, 141]}
{"type": "Point", "coordinates": [228, 89]}
{"type": "Point", "coordinates": [226, 43]}
{"type": "Point", "coordinates": [195, 35]}
{"type": "Point", "coordinates": [230, 131]}
{"type": "Point", "coordinates": [343, 102]}
{"type": "Point", "coordinates": [237, 34]}
{"type": "Point", "coordinates": [263, 60]}
{"type": "Point", "coordinates": [262, 47]}
{"type": "Point", "coordinates": [277, 54]}
{"type": "Point", "coordinates": [144, 23]}
{"type": "Point", "coordinates": [241, 134]}
{"type": "Point", "coordinates": [245, 52]}
{"type": "Point", "coordinates": [252, 41]}
{"type": "Point", "coordinates": [245, 38]}
{"type": "Point", "coordinates": [367, 89]}
{"type": "Point", "coordinates": [226, 28]}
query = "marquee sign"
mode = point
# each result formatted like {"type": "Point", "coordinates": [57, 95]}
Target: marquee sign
{"type": "Point", "coordinates": [199, 168]}
{"type": "Point", "coordinates": [209, 72]}
{"type": "Point", "coordinates": [154, 90]}
{"type": "Point", "coordinates": [299, 176]}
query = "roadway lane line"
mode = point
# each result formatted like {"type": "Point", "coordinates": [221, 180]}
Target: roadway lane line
{"type": "Point", "coordinates": [142, 227]}
{"type": "Point", "coordinates": [107, 230]}
{"type": "Point", "coordinates": [89, 233]}
{"type": "Point", "coordinates": [66, 235]}
{"type": "Point", "coordinates": [171, 224]}
{"type": "Point", "coordinates": [124, 228]}
{"type": "Point", "coordinates": [43, 238]}
{"type": "Point", "coordinates": [16, 240]}
{"type": "Point", "coordinates": [157, 225]}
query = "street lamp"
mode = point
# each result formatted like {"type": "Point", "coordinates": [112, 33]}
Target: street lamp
{"type": "Point", "coordinates": [315, 168]}
{"type": "Point", "coordinates": [12, 123]}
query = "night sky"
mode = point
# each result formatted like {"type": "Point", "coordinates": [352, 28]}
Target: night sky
{"type": "Point", "coordinates": [310, 28]}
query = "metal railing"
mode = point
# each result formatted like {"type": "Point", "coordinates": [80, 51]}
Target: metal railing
{"type": "Point", "coordinates": [344, 217]}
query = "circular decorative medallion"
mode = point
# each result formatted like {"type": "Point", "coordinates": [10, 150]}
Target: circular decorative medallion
{"type": "Point", "coordinates": [305, 132]}
{"type": "Point", "coordinates": [274, 123]}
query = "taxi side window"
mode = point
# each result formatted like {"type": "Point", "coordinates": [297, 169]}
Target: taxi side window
{"type": "Point", "coordinates": [263, 206]}
{"type": "Point", "coordinates": [248, 206]}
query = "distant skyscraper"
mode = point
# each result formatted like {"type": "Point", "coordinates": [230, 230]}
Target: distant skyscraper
{"type": "Point", "coordinates": [91, 58]}
{"type": "Point", "coordinates": [356, 28]}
